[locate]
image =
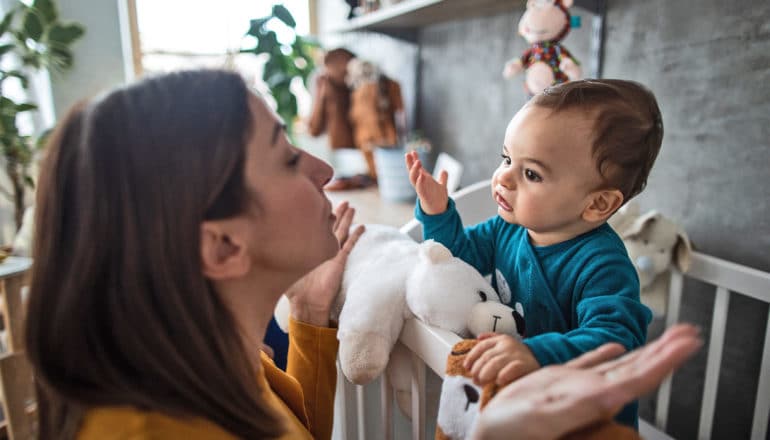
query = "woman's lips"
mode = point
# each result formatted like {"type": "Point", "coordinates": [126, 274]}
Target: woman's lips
{"type": "Point", "coordinates": [502, 203]}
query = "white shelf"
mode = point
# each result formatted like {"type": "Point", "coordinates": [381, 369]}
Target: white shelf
{"type": "Point", "coordinates": [410, 15]}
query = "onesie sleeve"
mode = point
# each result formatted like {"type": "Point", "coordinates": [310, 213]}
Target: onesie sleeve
{"type": "Point", "coordinates": [311, 361]}
{"type": "Point", "coordinates": [475, 244]}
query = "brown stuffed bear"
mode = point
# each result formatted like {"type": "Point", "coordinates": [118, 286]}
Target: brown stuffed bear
{"type": "Point", "coordinates": [375, 102]}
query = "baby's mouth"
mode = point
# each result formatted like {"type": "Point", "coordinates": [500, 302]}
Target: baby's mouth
{"type": "Point", "coordinates": [502, 203]}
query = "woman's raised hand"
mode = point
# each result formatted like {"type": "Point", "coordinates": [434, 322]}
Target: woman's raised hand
{"type": "Point", "coordinates": [312, 296]}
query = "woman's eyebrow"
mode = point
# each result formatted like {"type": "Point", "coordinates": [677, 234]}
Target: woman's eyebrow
{"type": "Point", "coordinates": [277, 129]}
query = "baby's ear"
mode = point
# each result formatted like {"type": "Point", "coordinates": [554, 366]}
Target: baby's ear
{"type": "Point", "coordinates": [602, 205]}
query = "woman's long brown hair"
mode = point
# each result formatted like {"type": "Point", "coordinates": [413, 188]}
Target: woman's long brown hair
{"type": "Point", "coordinates": [119, 312]}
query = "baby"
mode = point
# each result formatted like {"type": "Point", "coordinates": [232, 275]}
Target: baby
{"type": "Point", "coordinates": [571, 157]}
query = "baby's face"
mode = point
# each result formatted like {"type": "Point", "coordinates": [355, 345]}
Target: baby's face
{"type": "Point", "coordinates": [547, 173]}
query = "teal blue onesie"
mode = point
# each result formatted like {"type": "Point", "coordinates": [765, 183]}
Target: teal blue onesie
{"type": "Point", "coordinates": [576, 295]}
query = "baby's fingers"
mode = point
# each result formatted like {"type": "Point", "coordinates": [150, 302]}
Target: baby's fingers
{"type": "Point", "coordinates": [443, 177]}
{"type": "Point", "coordinates": [476, 352]}
{"type": "Point", "coordinates": [489, 370]}
{"type": "Point", "coordinates": [510, 372]}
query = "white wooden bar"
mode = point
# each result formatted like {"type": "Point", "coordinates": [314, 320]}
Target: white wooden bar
{"type": "Point", "coordinates": [418, 398]}
{"type": "Point", "coordinates": [716, 343]}
{"type": "Point", "coordinates": [762, 405]}
{"type": "Point", "coordinates": [733, 277]}
{"type": "Point", "coordinates": [386, 408]}
{"type": "Point", "coordinates": [672, 316]}
{"type": "Point", "coordinates": [361, 411]}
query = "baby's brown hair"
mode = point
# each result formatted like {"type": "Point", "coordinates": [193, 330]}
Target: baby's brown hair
{"type": "Point", "coordinates": [627, 124]}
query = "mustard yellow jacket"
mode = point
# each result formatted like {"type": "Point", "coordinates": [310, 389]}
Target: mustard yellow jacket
{"type": "Point", "coordinates": [305, 394]}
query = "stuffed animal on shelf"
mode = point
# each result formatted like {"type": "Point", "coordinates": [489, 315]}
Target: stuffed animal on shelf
{"type": "Point", "coordinates": [376, 109]}
{"type": "Point", "coordinates": [544, 25]}
{"type": "Point", "coordinates": [654, 243]}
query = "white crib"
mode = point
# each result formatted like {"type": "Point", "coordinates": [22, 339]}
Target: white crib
{"type": "Point", "coordinates": [357, 406]}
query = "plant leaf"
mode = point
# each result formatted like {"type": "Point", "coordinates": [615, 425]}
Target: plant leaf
{"type": "Point", "coordinates": [47, 10]}
{"type": "Point", "coordinates": [25, 107]}
{"type": "Point", "coordinates": [6, 23]}
{"type": "Point", "coordinates": [280, 12]}
{"type": "Point", "coordinates": [255, 26]}
{"type": "Point", "coordinates": [5, 48]}
{"type": "Point", "coordinates": [65, 33]}
{"type": "Point", "coordinates": [33, 26]}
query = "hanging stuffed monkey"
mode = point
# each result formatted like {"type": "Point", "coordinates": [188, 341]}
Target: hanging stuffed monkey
{"type": "Point", "coordinates": [544, 25]}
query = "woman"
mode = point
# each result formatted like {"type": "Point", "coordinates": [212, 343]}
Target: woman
{"type": "Point", "coordinates": [171, 216]}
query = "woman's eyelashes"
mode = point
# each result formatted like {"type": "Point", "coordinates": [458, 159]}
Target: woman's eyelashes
{"type": "Point", "coordinates": [294, 158]}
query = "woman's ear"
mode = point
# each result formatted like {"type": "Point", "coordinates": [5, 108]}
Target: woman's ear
{"type": "Point", "coordinates": [222, 255]}
{"type": "Point", "coordinates": [602, 205]}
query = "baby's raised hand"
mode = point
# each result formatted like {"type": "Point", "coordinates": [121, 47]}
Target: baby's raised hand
{"type": "Point", "coordinates": [500, 359]}
{"type": "Point", "coordinates": [433, 194]}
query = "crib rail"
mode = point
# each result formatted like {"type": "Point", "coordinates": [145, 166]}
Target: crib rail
{"type": "Point", "coordinates": [727, 278]}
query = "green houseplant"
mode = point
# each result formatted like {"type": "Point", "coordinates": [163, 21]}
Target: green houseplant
{"type": "Point", "coordinates": [31, 38]}
{"type": "Point", "coordinates": [285, 60]}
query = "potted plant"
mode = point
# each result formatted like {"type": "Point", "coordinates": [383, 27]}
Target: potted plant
{"type": "Point", "coordinates": [285, 60]}
{"type": "Point", "coordinates": [31, 38]}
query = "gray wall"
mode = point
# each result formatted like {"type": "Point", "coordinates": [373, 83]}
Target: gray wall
{"type": "Point", "coordinates": [708, 62]}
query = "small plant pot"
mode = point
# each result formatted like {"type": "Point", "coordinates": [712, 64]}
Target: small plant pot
{"type": "Point", "coordinates": [392, 175]}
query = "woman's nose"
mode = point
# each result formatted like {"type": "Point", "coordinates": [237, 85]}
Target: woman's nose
{"type": "Point", "coordinates": [321, 171]}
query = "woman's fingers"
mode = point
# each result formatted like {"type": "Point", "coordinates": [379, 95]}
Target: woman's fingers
{"type": "Point", "coordinates": [675, 333]}
{"type": "Point", "coordinates": [639, 378]}
{"type": "Point", "coordinates": [596, 357]}
{"type": "Point", "coordinates": [339, 211]}
{"type": "Point", "coordinates": [355, 234]}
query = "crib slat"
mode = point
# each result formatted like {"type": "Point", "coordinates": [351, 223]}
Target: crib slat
{"type": "Point", "coordinates": [717, 336]}
{"type": "Point", "coordinates": [345, 411]}
{"type": "Point", "coordinates": [361, 411]}
{"type": "Point", "coordinates": [418, 398]}
{"type": "Point", "coordinates": [672, 317]}
{"type": "Point", "coordinates": [762, 405]}
{"type": "Point", "coordinates": [386, 394]}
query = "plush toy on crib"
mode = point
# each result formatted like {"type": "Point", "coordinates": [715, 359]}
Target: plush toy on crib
{"type": "Point", "coordinates": [654, 243]}
{"type": "Point", "coordinates": [544, 25]}
{"type": "Point", "coordinates": [390, 278]}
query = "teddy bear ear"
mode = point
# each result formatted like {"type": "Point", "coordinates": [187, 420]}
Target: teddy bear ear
{"type": "Point", "coordinates": [566, 3]}
{"type": "Point", "coordinates": [434, 252]}
{"type": "Point", "coordinates": [682, 251]}
{"type": "Point", "coordinates": [637, 226]}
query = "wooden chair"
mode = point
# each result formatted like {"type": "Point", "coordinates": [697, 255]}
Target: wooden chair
{"type": "Point", "coordinates": [16, 379]}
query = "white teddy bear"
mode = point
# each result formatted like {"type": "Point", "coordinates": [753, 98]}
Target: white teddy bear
{"type": "Point", "coordinates": [390, 278]}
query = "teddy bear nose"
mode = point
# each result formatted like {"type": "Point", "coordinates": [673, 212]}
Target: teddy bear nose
{"type": "Point", "coordinates": [645, 265]}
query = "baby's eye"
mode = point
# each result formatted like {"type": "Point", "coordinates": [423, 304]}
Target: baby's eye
{"type": "Point", "coordinates": [532, 176]}
{"type": "Point", "coordinates": [506, 158]}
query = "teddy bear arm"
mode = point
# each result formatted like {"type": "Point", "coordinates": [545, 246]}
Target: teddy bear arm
{"type": "Point", "coordinates": [369, 325]}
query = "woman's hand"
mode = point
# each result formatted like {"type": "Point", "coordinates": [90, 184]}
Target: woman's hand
{"type": "Point", "coordinates": [312, 296]}
{"type": "Point", "coordinates": [559, 399]}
